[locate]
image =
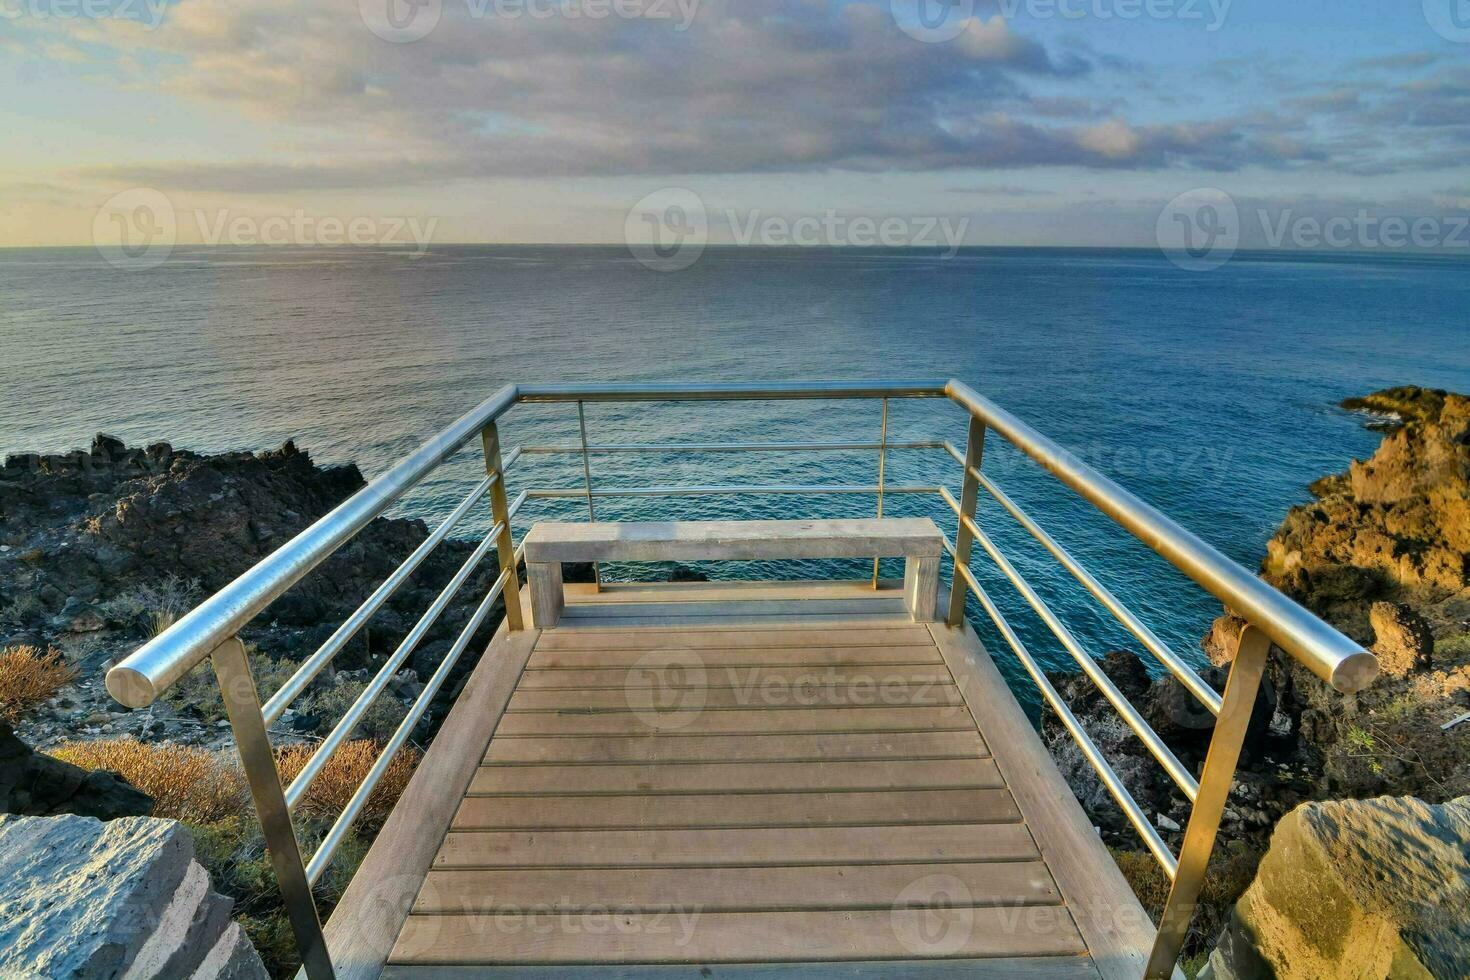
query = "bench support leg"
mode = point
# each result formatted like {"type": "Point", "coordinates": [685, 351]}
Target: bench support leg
{"type": "Point", "coordinates": [921, 588]}
{"type": "Point", "coordinates": [547, 596]}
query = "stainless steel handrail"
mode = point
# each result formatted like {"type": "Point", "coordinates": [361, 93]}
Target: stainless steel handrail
{"type": "Point", "coordinates": [1326, 652]}
{"type": "Point", "coordinates": [159, 664]}
{"type": "Point", "coordinates": [212, 629]}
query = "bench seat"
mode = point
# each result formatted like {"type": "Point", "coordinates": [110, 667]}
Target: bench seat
{"type": "Point", "coordinates": [917, 540]}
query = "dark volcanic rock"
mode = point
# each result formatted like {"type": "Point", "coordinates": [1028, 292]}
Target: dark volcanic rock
{"type": "Point", "coordinates": [100, 549]}
{"type": "Point", "coordinates": [37, 785]}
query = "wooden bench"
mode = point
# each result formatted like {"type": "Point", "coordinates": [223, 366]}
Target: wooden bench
{"type": "Point", "coordinates": [917, 540]}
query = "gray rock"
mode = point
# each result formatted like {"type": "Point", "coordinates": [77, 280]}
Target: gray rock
{"type": "Point", "coordinates": [88, 900]}
{"type": "Point", "coordinates": [1360, 888]}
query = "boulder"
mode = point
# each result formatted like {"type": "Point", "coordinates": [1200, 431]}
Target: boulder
{"type": "Point", "coordinates": [86, 899]}
{"type": "Point", "coordinates": [1356, 888]}
{"type": "Point", "coordinates": [37, 785]}
{"type": "Point", "coordinates": [1404, 641]}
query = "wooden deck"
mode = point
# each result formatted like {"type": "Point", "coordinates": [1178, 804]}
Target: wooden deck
{"type": "Point", "coordinates": [738, 780]}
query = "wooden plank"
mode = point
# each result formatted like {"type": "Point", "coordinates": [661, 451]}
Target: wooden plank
{"type": "Point", "coordinates": [585, 593]}
{"type": "Point", "coordinates": [737, 620]}
{"type": "Point", "coordinates": [850, 809]}
{"type": "Point", "coordinates": [737, 847]}
{"type": "Point", "coordinates": [641, 696]}
{"type": "Point", "coordinates": [732, 540]}
{"type": "Point", "coordinates": [869, 605]}
{"type": "Point", "coordinates": [731, 637]}
{"type": "Point", "coordinates": [999, 968]}
{"type": "Point", "coordinates": [747, 777]}
{"type": "Point", "coordinates": [705, 937]}
{"type": "Point", "coordinates": [1118, 933]}
{"type": "Point", "coordinates": [720, 658]}
{"type": "Point", "coordinates": [879, 886]}
{"type": "Point", "coordinates": [798, 677]}
{"type": "Point", "coordinates": [597, 750]}
{"type": "Point", "coordinates": [738, 722]}
{"type": "Point", "coordinates": [372, 910]}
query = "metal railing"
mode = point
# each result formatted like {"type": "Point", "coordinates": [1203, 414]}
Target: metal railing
{"type": "Point", "coordinates": [211, 631]}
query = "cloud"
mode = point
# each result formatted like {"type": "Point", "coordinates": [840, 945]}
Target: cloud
{"type": "Point", "coordinates": [750, 87]}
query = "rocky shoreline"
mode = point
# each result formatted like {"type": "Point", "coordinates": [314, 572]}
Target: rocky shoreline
{"type": "Point", "coordinates": [101, 549]}
{"type": "Point", "coordinates": [1383, 554]}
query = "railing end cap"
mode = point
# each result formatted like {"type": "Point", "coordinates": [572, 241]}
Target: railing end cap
{"type": "Point", "coordinates": [1354, 673]}
{"type": "Point", "coordinates": [130, 687]}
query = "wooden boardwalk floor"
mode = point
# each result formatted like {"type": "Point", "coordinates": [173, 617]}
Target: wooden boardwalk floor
{"type": "Point", "coordinates": [751, 780]}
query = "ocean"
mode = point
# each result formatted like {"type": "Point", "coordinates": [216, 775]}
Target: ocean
{"type": "Point", "coordinates": [1210, 394]}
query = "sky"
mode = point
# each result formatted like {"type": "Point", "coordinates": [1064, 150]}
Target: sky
{"type": "Point", "coordinates": [1000, 122]}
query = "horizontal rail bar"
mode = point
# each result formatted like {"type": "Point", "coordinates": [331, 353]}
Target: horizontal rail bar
{"type": "Point", "coordinates": [1130, 715]}
{"type": "Point", "coordinates": [1326, 652]}
{"type": "Point", "coordinates": [695, 491]}
{"type": "Point", "coordinates": [1191, 680]}
{"type": "Point", "coordinates": [318, 661]}
{"type": "Point", "coordinates": [731, 447]}
{"type": "Point", "coordinates": [370, 694]}
{"type": "Point", "coordinates": [757, 391]}
{"type": "Point", "coordinates": [353, 809]}
{"type": "Point", "coordinates": [1088, 747]}
{"type": "Point", "coordinates": [155, 667]}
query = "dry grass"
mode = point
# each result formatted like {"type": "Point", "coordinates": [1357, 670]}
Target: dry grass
{"type": "Point", "coordinates": [28, 677]}
{"type": "Point", "coordinates": [342, 776]}
{"type": "Point", "coordinates": [1231, 870]}
{"type": "Point", "coordinates": [188, 784]}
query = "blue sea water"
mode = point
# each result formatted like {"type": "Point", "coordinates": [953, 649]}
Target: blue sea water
{"type": "Point", "coordinates": [1211, 395]}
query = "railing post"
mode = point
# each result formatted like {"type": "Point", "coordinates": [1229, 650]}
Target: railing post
{"type": "Point", "coordinates": [505, 547]}
{"type": "Point", "coordinates": [587, 476]}
{"type": "Point", "coordinates": [964, 539]}
{"type": "Point", "coordinates": [242, 705]}
{"type": "Point", "coordinates": [882, 465]}
{"type": "Point", "coordinates": [1244, 681]}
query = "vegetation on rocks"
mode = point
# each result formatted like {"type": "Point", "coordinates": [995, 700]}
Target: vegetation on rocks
{"type": "Point", "coordinates": [28, 677]}
{"type": "Point", "coordinates": [1382, 553]}
{"type": "Point", "coordinates": [206, 791]}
